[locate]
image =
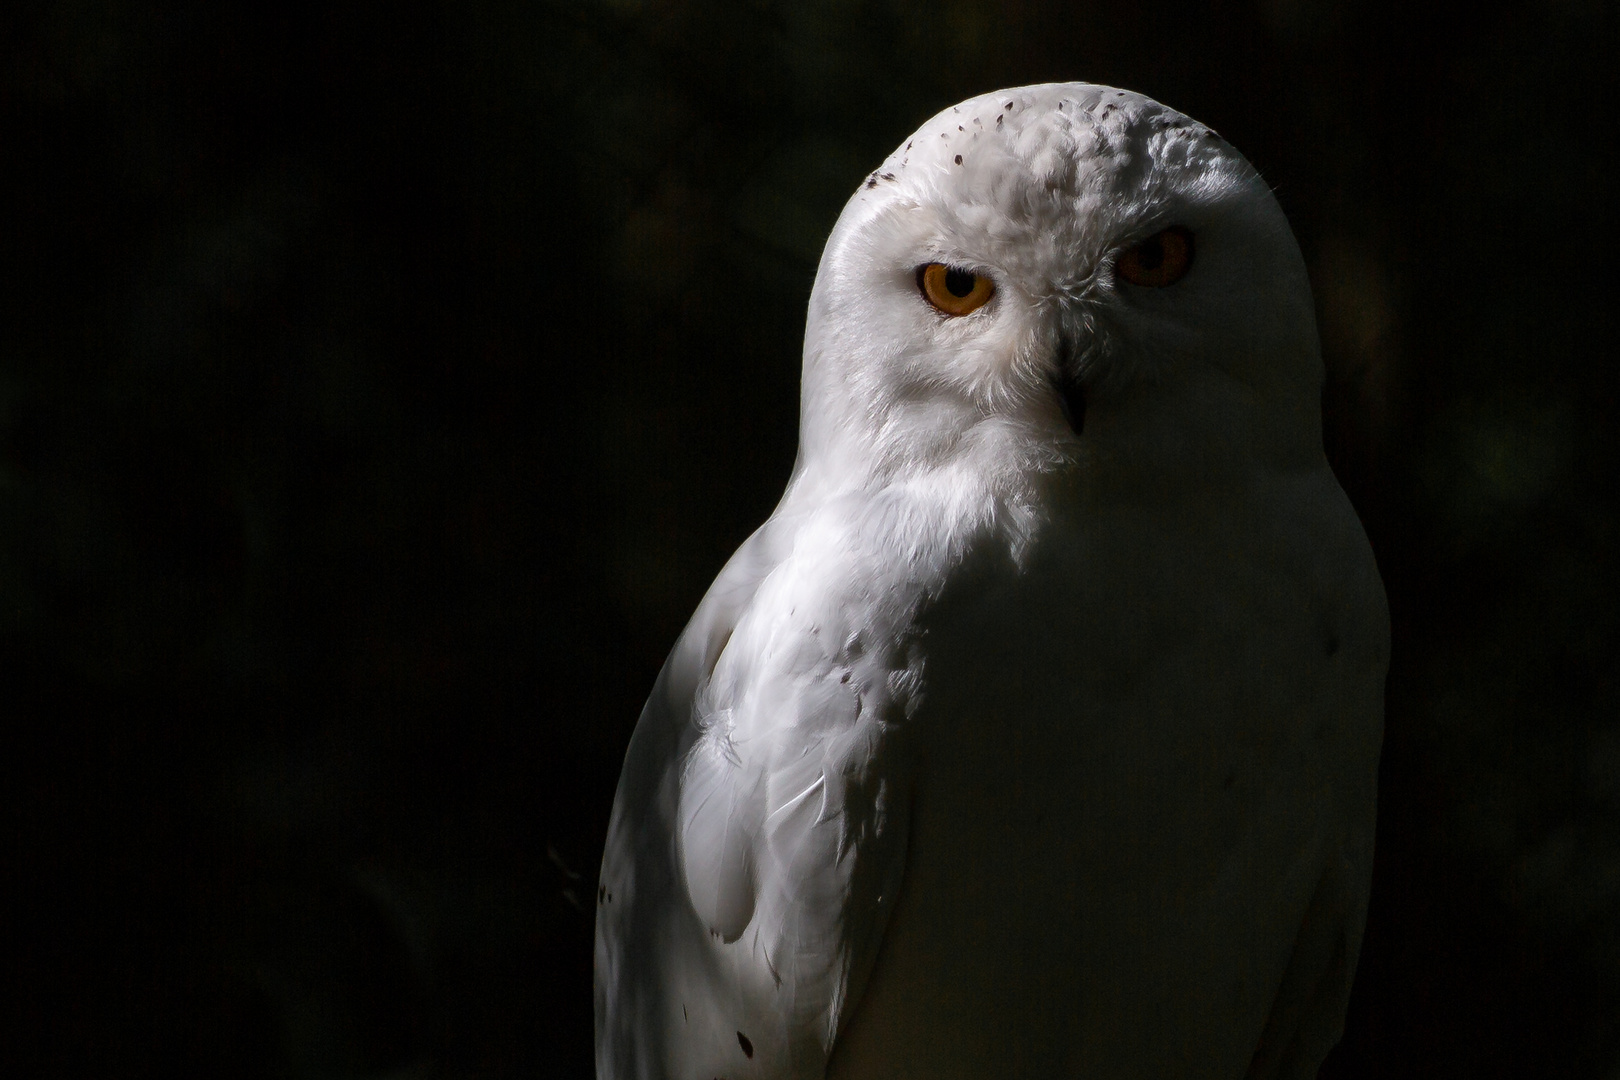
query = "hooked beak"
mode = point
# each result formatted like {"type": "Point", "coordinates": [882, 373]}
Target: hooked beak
{"type": "Point", "coordinates": [1071, 392]}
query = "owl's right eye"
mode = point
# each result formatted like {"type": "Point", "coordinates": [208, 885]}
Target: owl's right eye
{"type": "Point", "coordinates": [952, 290]}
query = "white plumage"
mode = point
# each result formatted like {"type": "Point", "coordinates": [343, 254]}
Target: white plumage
{"type": "Point", "coordinates": [1035, 734]}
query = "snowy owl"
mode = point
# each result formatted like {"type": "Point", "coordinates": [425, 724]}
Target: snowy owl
{"type": "Point", "coordinates": [1035, 733]}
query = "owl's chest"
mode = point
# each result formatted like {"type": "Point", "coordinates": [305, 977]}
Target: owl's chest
{"type": "Point", "coordinates": [1135, 756]}
{"type": "Point", "coordinates": [1148, 681]}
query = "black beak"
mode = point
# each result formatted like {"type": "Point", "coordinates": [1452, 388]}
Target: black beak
{"type": "Point", "coordinates": [1071, 391]}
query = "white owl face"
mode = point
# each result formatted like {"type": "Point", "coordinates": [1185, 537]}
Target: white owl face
{"type": "Point", "coordinates": [1076, 261]}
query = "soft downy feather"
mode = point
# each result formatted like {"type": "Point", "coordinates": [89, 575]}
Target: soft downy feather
{"type": "Point", "coordinates": [946, 525]}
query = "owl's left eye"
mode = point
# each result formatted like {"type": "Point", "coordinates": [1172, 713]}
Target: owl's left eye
{"type": "Point", "coordinates": [1162, 259]}
{"type": "Point", "coordinates": [952, 290]}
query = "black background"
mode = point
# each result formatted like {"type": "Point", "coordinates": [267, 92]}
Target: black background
{"type": "Point", "coordinates": [381, 387]}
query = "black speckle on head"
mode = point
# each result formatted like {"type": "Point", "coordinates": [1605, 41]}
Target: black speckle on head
{"type": "Point", "coordinates": [601, 893]}
{"type": "Point", "coordinates": [998, 121]}
{"type": "Point", "coordinates": [959, 127]}
{"type": "Point", "coordinates": [688, 1019]}
{"type": "Point", "coordinates": [959, 159]}
{"type": "Point", "coordinates": [908, 146]}
{"type": "Point", "coordinates": [747, 1047]}
{"type": "Point", "coordinates": [888, 176]}
{"type": "Point", "coordinates": [1007, 105]}
{"type": "Point", "coordinates": [871, 181]}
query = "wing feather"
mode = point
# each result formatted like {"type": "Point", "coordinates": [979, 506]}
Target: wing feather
{"type": "Point", "coordinates": [756, 840]}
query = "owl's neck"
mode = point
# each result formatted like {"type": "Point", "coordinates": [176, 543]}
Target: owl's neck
{"type": "Point", "coordinates": [1192, 434]}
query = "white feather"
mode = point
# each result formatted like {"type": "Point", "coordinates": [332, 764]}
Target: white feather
{"type": "Point", "coordinates": [1003, 749]}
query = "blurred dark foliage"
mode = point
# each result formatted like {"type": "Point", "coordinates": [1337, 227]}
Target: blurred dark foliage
{"type": "Point", "coordinates": [381, 387]}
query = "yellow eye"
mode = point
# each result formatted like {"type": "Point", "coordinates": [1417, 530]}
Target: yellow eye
{"type": "Point", "coordinates": [953, 291]}
{"type": "Point", "coordinates": [1160, 260]}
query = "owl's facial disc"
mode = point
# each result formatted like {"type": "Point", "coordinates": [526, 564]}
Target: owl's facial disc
{"type": "Point", "coordinates": [1062, 261]}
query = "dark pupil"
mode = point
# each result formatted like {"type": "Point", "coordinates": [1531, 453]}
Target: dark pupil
{"type": "Point", "coordinates": [1150, 253]}
{"type": "Point", "coordinates": [959, 282]}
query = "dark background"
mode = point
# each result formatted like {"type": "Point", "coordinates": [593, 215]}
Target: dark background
{"type": "Point", "coordinates": [381, 387]}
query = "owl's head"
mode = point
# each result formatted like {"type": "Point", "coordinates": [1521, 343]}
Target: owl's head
{"type": "Point", "coordinates": [1097, 279]}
